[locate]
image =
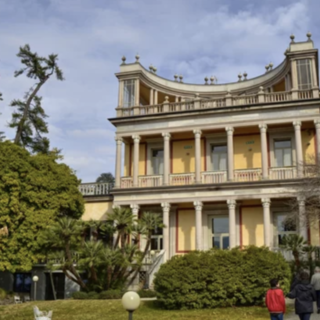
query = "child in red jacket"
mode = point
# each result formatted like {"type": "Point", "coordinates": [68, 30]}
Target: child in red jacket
{"type": "Point", "coordinates": [275, 301]}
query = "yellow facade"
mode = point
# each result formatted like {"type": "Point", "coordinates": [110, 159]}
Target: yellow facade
{"type": "Point", "coordinates": [96, 210]}
{"type": "Point", "coordinates": [252, 226]}
{"type": "Point", "coordinates": [308, 145]}
{"type": "Point", "coordinates": [126, 171]}
{"type": "Point", "coordinates": [314, 235]}
{"type": "Point", "coordinates": [185, 230]}
{"type": "Point", "coordinates": [183, 156]}
{"type": "Point", "coordinates": [247, 152]}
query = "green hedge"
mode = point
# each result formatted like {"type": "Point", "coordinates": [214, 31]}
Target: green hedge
{"type": "Point", "coordinates": [219, 278]}
{"type": "Point", "coordinates": [147, 293]}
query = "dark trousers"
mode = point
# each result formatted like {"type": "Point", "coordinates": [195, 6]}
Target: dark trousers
{"type": "Point", "coordinates": [278, 316]}
{"type": "Point", "coordinates": [318, 299]}
{"type": "Point", "coordinates": [304, 316]}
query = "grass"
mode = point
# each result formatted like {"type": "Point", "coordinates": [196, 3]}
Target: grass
{"type": "Point", "coordinates": [113, 310]}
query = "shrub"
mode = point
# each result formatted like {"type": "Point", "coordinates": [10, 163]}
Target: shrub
{"type": "Point", "coordinates": [3, 294]}
{"type": "Point", "coordinates": [110, 294]}
{"type": "Point", "coordinates": [93, 295]}
{"type": "Point", "coordinates": [147, 293]}
{"type": "Point", "coordinates": [219, 278]}
{"type": "Point", "coordinates": [80, 295]}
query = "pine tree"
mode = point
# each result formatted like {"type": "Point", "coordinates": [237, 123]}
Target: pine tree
{"type": "Point", "coordinates": [1, 132]}
{"type": "Point", "coordinates": [29, 118]}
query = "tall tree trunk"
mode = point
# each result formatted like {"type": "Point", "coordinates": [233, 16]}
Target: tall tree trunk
{"type": "Point", "coordinates": [53, 286]}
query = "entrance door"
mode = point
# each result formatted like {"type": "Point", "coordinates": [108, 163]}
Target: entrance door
{"type": "Point", "coordinates": [59, 284]}
{"type": "Point", "coordinates": [219, 232]}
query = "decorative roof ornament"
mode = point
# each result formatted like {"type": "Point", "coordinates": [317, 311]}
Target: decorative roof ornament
{"type": "Point", "coordinates": [270, 65]}
{"type": "Point", "coordinates": [155, 69]}
{"type": "Point", "coordinates": [181, 78]}
{"type": "Point", "coordinates": [123, 59]}
{"type": "Point", "coordinates": [292, 38]}
{"type": "Point", "coordinates": [137, 58]}
{"type": "Point", "coordinates": [175, 77]}
{"type": "Point", "coordinates": [245, 76]}
{"type": "Point", "coordinates": [206, 80]}
{"type": "Point", "coordinates": [309, 34]}
{"type": "Point", "coordinates": [286, 52]}
{"type": "Point", "coordinates": [239, 76]}
{"type": "Point", "coordinates": [267, 68]}
{"type": "Point", "coordinates": [151, 67]}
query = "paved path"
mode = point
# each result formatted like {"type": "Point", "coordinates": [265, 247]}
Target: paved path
{"type": "Point", "coordinates": [293, 316]}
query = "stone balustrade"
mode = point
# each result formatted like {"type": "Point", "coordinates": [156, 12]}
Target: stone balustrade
{"type": "Point", "coordinates": [219, 102]}
{"type": "Point", "coordinates": [94, 189]}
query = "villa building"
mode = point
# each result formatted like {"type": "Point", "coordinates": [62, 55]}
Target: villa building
{"type": "Point", "coordinates": [220, 162]}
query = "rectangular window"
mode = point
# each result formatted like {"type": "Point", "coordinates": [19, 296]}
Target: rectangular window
{"type": "Point", "coordinates": [156, 239]}
{"type": "Point", "coordinates": [22, 282]}
{"type": "Point", "coordinates": [220, 232]}
{"type": "Point", "coordinates": [283, 153]}
{"type": "Point", "coordinates": [219, 158]}
{"type": "Point", "coordinates": [128, 93]}
{"type": "Point", "coordinates": [157, 161]}
{"type": "Point", "coordinates": [283, 227]}
{"type": "Point", "coordinates": [304, 74]}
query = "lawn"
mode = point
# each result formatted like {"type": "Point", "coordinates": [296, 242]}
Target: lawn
{"type": "Point", "coordinates": [112, 309]}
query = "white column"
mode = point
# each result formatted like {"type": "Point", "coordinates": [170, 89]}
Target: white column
{"type": "Point", "coordinates": [120, 94]}
{"type": "Point", "coordinates": [266, 221]}
{"type": "Point", "coordinates": [165, 233]}
{"type": "Point", "coordinates": [297, 131]}
{"type": "Point", "coordinates": [230, 131]}
{"type": "Point", "coordinates": [118, 162]}
{"type": "Point", "coordinates": [264, 151]}
{"type": "Point", "coordinates": [166, 158]}
{"type": "Point", "coordinates": [317, 125]}
{"type": "Point", "coordinates": [197, 136]}
{"type": "Point", "coordinates": [198, 211]}
{"type": "Point", "coordinates": [232, 222]}
{"type": "Point", "coordinates": [151, 97]}
{"type": "Point", "coordinates": [137, 93]}
{"type": "Point", "coordinates": [294, 79]}
{"type": "Point", "coordinates": [303, 228]}
{"type": "Point", "coordinates": [136, 140]}
{"type": "Point", "coordinates": [155, 97]}
{"type": "Point", "coordinates": [135, 210]}
{"type": "Point", "coordinates": [314, 74]}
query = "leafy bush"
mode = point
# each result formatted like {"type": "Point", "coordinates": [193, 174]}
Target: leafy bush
{"type": "Point", "coordinates": [3, 294]}
{"type": "Point", "coordinates": [110, 294]}
{"type": "Point", "coordinates": [93, 295]}
{"type": "Point", "coordinates": [219, 278]}
{"type": "Point", "coordinates": [147, 293]}
{"type": "Point", "coordinates": [80, 295]}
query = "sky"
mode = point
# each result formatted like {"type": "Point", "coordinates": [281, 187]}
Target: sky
{"type": "Point", "coordinates": [195, 38]}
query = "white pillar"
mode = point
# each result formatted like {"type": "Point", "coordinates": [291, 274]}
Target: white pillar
{"type": "Point", "coordinates": [303, 228]}
{"type": "Point", "coordinates": [230, 152]}
{"type": "Point", "coordinates": [118, 162]}
{"type": "Point", "coordinates": [135, 210]}
{"type": "Point", "coordinates": [166, 158]}
{"type": "Point", "coordinates": [151, 97]}
{"type": "Point", "coordinates": [197, 135]}
{"type": "Point", "coordinates": [155, 97]}
{"type": "Point", "coordinates": [266, 221]}
{"type": "Point", "coordinates": [136, 140]}
{"type": "Point", "coordinates": [198, 212]}
{"type": "Point", "coordinates": [297, 130]}
{"type": "Point", "coordinates": [120, 94]}
{"type": "Point", "coordinates": [165, 233]}
{"type": "Point", "coordinates": [137, 93]}
{"type": "Point", "coordinates": [317, 125]}
{"type": "Point", "coordinates": [232, 222]}
{"type": "Point", "coordinates": [264, 151]}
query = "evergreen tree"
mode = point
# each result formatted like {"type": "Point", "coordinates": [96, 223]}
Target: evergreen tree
{"type": "Point", "coordinates": [1, 132]}
{"type": "Point", "coordinates": [105, 178]}
{"type": "Point", "coordinates": [29, 117]}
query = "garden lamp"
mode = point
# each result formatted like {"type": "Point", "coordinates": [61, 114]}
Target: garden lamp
{"type": "Point", "coordinates": [131, 302]}
{"type": "Point", "coordinates": [35, 280]}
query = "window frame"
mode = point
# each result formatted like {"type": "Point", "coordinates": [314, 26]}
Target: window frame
{"type": "Point", "coordinates": [131, 101]}
{"type": "Point", "coordinates": [300, 64]}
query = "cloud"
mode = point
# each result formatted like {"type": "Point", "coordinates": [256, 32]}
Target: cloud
{"type": "Point", "coordinates": [193, 38]}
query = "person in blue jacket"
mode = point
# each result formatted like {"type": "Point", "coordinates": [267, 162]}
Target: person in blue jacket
{"type": "Point", "coordinates": [304, 294]}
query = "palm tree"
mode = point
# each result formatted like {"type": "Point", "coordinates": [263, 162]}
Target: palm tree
{"type": "Point", "coordinates": [296, 245]}
{"type": "Point", "coordinates": [123, 220]}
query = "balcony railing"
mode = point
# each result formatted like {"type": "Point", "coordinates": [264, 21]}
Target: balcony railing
{"type": "Point", "coordinates": [213, 177]}
{"type": "Point", "coordinates": [218, 102]}
{"type": "Point", "coordinates": [283, 173]}
{"type": "Point", "coordinates": [92, 189]}
{"type": "Point", "coordinates": [247, 175]}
